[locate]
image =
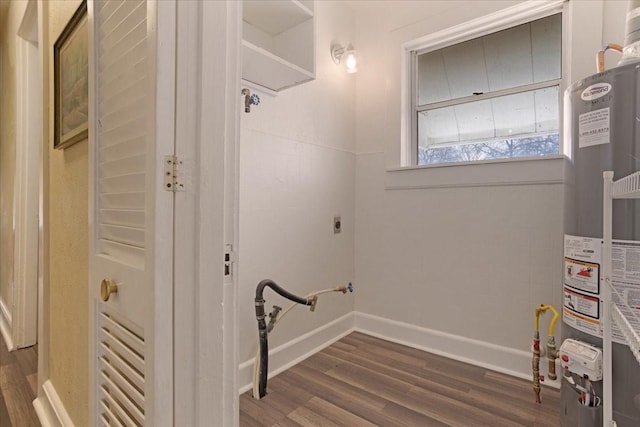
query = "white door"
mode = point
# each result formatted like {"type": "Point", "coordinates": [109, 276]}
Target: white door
{"type": "Point", "coordinates": [24, 304]}
{"type": "Point", "coordinates": [131, 213]}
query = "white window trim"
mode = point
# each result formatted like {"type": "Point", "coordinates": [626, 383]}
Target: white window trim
{"type": "Point", "coordinates": [510, 17]}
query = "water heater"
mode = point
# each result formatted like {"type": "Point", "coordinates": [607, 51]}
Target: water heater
{"type": "Point", "coordinates": [602, 120]}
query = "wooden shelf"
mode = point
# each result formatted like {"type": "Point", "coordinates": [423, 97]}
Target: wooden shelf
{"type": "Point", "coordinates": [263, 68]}
{"type": "Point", "coordinates": [274, 17]}
{"type": "Point", "coordinates": [278, 46]}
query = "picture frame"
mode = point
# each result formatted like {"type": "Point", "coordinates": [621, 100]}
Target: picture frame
{"type": "Point", "coordinates": [71, 81]}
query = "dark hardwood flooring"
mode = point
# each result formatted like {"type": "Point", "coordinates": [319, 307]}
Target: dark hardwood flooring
{"type": "Point", "coordinates": [358, 381]}
{"type": "Point", "coordinates": [18, 383]}
{"type": "Point", "coordinates": [364, 381]}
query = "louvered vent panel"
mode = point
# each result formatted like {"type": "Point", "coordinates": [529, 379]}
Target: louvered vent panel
{"type": "Point", "coordinates": [121, 367]}
{"type": "Point", "coordinates": [122, 93]}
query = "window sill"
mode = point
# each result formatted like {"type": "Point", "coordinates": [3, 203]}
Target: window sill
{"type": "Point", "coordinates": [490, 173]}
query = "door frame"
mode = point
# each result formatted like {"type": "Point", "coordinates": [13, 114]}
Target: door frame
{"type": "Point", "coordinates": [23, 330]}
{"type": "Point", "coordinates": [206, 214]}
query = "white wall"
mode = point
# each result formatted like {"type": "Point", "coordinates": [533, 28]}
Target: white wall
{"type": "Point", "coordinates": [446, 251]}
{"type": "Point", "coordinates": [451, 252]}
{"type": "Point", "coordinates": [297, 170]}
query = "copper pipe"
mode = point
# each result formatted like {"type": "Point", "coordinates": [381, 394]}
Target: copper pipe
{"type": "Point", "coordinates": [600, 55]}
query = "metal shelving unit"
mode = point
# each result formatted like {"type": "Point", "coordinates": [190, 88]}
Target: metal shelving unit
{"type": "Point", "coordinates": [613, 306]}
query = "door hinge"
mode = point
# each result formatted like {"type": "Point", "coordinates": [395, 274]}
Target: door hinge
{"type": "Point", "coordinates": [229, 258]}
{"type": "Point", "coordinates": [172, 177]}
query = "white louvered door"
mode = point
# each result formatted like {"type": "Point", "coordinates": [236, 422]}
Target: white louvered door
{"type": "Point", "coordinates": [131, 234]}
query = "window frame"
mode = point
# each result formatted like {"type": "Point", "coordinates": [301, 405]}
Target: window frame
{"type": "Point", "coordinates": [504, 19]}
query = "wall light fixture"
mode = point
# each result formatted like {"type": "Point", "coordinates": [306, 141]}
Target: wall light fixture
{"type": "Point", "coordinates": [346, 56]}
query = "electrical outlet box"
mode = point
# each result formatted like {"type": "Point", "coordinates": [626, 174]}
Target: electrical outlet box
{"type": "Point", "coordinates": [337, 225]}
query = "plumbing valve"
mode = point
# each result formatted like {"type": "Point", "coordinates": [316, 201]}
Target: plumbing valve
{"type": "Point", "coordinates": [552, 355]}
{"type": "Point", "coordinates": [345, 289]}
{"type": "Point", "coordinates": [273, 316]}
{"type": "Point", "coordinates": [249, 99]}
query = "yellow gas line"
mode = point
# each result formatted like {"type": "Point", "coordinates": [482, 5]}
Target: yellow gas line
{"type": "Point", "coordinates": [552, 352]}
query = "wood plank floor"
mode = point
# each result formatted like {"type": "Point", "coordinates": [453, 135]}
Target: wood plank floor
{"type": "Point", "coordinates": [18, 383]}
{"type": "Point", "coordinates": [365, 381]}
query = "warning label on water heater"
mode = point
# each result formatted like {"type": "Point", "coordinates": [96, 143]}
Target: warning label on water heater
{"type": "Point", "coordinates": [593, 128]}
{"type": "Point", "coordinates": [582, 293]}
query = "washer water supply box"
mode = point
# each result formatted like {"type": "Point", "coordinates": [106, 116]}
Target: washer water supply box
{"type": "Point", "coordinates": [582, 359]}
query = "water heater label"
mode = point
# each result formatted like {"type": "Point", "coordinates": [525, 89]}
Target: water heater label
{"type": "Point", "coordinates": [593, 128]}
{"type": "Point", "coordinates": [595, 91]}
{"type": "Point", "coordinates": [581, 290]}
{"type": "Point", "coordinates": [583, 276]}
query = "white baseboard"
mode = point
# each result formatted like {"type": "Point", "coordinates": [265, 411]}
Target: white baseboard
{"type": "Point", "coordinates": [506, 360]}
{"type": "Point", "coordinates": [51, 412]}
{"type": "Point", "coordinates": [45, 412]}
{"type": "Point", "coordinates": [5, 326]}
{"type": "Point", "coordinates": [295, 351]}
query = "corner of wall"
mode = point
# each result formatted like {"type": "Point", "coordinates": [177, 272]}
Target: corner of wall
{"type": "Point", "coordinates": [50, 409]}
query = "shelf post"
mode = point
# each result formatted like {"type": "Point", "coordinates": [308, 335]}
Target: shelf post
{"type": "Point", "coordinates": [605, 283]}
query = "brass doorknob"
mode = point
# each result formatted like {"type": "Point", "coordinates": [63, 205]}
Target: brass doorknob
{"type": "Point", "coordinates": [107, 287]}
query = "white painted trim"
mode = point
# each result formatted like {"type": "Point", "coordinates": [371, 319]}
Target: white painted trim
{"type": "Point", "coordinates": [295, 351]}
{"type": "Point", "coordinates": [214, 315]}
{"type": "Point", "coordinates": [4, 310]}
{"type": "Point", "coordinates": [492, 173]}
{"type": "Point", "coordinates": [231, 335]}
{"type": "Point", "coordinates": [159, 257]}
{"type": "Point", "coordinates": [506, 18]}
{"type": "Point", "coordinates": [43, 232]}
{"type": "Point", "coordinates": [92, 141]}
{"type": "Point", "coordinates": [185, 346]}
{"type": "Point", "coordinates": [44, 411]}
{"type": "Point", "coordinates": [500, 20]}
{"type": "Point", "coordinates": [257, 88]}
{"type": "Point", "coordinates": [509, 361]}
{"type": "Point", "coordinates": [53, 411]}
{"type": "Point", "coordinates": [497, 358]}
{"type": "Point", "coordinates": [5, 326]}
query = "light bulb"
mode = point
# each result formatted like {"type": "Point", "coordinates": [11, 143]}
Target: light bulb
{"type": "Point", "coordinates": [351, 64]}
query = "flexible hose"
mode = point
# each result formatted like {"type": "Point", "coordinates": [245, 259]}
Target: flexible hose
{"type": "Point", "coordinates": [288, 295]}
{"type": "Point", "coordinates": [262, 327]}
{"type": "Point", "coordinates": [260, 366]}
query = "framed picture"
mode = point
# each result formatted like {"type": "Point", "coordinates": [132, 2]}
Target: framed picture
{"type": "Point", "coordinates": [71, 81]}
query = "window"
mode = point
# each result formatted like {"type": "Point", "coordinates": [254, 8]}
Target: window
{"type": "Point", "coordinates": [492, 97]}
